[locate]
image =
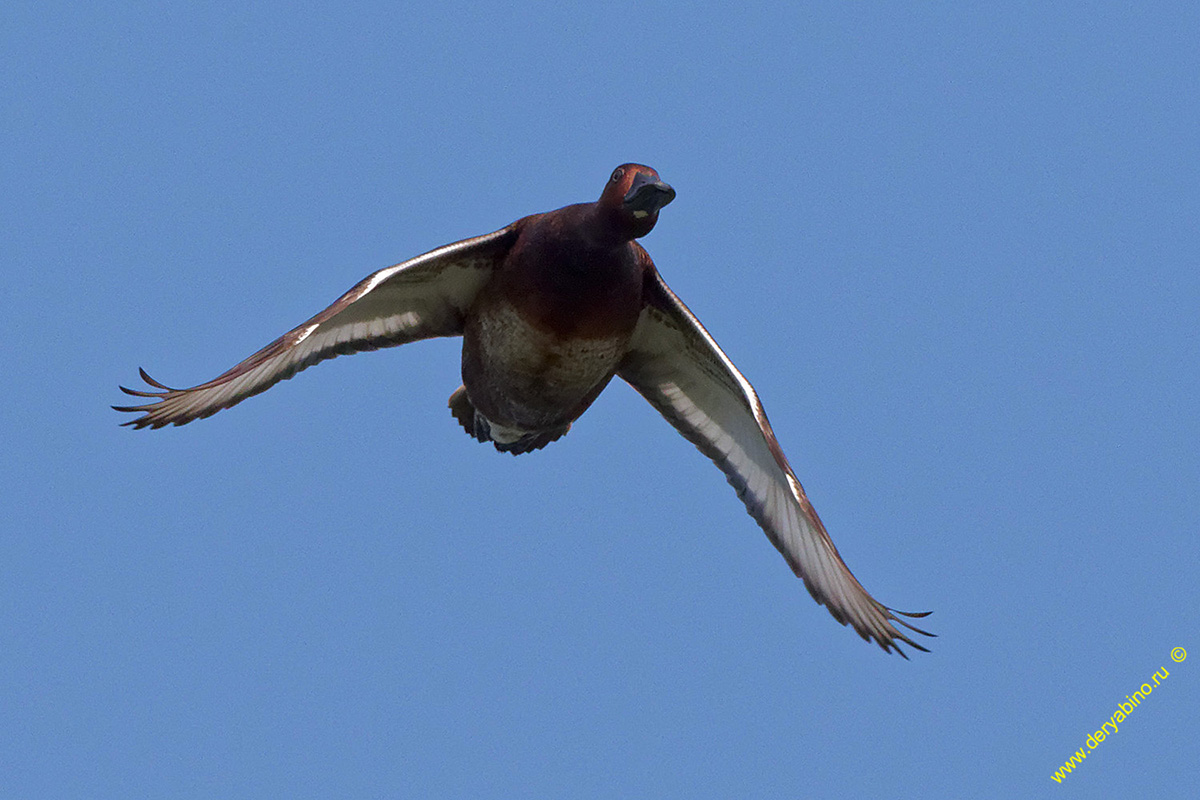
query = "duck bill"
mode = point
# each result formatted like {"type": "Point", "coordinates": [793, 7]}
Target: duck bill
{"type": "Point", "coordinates": [647, 195]}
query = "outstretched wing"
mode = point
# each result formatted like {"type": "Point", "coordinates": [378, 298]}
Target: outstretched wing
{"type": "Point", "coordinates": [675, 364]}
{"type": "Point", "coordinates": [421, 298]}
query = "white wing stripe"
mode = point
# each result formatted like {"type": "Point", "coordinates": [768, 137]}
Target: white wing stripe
{"type": "Point", "coordinates": [421, 298]}
{"type": "Point", "coordinates": [678, 367]}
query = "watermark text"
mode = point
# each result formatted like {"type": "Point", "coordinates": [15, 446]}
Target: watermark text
{"type": "Point", "coordinates": [1123, 710]}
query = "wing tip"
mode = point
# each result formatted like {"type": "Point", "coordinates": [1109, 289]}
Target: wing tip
{"type": "Point", "coordinates": [898, 636]}
{"type": "Point", "coordinates": [143, 421]}
{"type": "Point", "coordinates": [146, 420]}
{"type": "Point", "coordinates": [146, 377]}
{"type": "Point", "coordinates": [883, 632]}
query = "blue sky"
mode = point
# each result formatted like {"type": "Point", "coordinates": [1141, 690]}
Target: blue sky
{"type": "Point", "coordinates": [954, 249]}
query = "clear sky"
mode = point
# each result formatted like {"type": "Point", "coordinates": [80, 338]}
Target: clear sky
{"type": "Point", "coordinates": [955, 250]}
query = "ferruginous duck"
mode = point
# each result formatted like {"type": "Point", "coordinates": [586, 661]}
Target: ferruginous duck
{"type": "Point", "coordinates": [550, 308]}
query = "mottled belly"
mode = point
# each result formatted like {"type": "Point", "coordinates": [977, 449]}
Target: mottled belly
{"type": "Point", "coordinates": [519, 374]}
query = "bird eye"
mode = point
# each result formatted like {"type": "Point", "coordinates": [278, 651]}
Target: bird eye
{"type": "Point", "coordinates": [618, 173]}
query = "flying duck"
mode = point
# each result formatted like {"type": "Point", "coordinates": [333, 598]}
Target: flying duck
{"type": "Point", "coordinates": [550, 308]}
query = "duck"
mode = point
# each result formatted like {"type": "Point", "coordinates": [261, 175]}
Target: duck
{"type": "Point", "coordinates": [550, 309]}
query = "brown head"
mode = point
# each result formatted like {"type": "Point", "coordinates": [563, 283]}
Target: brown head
{"type": "Point", "coordinates": [633, 196]}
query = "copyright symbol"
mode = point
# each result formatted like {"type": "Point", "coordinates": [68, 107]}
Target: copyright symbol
{"type": "Point", "coordinates": [1178, 654]}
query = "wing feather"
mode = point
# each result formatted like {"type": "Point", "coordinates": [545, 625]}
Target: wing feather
{"type": "Point", "coordinates": [421, 298]}
{"type": "Point", "coordinates": [677, 366]}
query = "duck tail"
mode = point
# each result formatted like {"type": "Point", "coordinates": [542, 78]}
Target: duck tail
{"type": "Point", "coordinates": [463, 410]}
{"type": "Point", "coordinates": [477, 427]}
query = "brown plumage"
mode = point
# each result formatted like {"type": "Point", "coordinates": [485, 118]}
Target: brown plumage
{"type": "Point", "coordinates": [550, 308]}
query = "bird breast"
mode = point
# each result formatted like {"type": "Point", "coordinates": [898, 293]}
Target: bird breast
{"type": "Point", "coordinates": [517, 367]}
